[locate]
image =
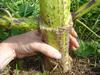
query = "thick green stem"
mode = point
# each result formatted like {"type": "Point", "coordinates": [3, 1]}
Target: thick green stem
{"type": "Point", "coordinates": [55, 27]}
{"type": "Point", "coordinates": [55, 13]}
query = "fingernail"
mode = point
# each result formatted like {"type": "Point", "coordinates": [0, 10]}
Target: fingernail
{"type": "Point", "coordinates": [74, 49]}
{"type": "Point", "coordinates": [76, 34]}
{"type": "Point", "coordinates": [77, 42]}
{"type": "Point", "coordinates": [57, 55]}
{"type": "Point", "coordinates": [78, 45]}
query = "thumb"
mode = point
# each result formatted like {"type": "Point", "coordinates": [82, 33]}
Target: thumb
{"type": "Point", "coordinates": [6, 55]}
{"type": "Point", "coordinates": [46, 50]}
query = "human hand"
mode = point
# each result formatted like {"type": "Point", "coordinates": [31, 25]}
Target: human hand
{"type": "Point", "coordinates": [28, 44]}
{"type": "Point", "coordinates": [73, 40]}
{"type": "Point", "coordinates": [23, 45]}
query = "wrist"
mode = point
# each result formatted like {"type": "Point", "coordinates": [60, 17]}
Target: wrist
{"type": "Point", "coordinates": [7, 54]}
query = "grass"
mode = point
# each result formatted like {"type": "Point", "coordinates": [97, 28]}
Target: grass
{"type": "Point", "coordinates": [26, 8]}
{"type": "Point", "coordinates": [21, 8]}
{"type": "Point", "coordinates": [87, 26]}
{"type": "Point", "coordinates": [88, 49]}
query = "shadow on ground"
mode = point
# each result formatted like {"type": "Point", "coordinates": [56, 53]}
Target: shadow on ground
{"type": "Point", "coordinates": [33, 65]}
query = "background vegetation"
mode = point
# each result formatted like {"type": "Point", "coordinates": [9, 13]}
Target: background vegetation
{"type": "Point", "coordinates": [87, 26]}
{"type": "Point", "coordinates": [87, 29]}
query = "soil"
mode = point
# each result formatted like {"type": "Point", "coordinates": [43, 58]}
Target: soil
{"type": "Point", "coordinates": [32, 66]}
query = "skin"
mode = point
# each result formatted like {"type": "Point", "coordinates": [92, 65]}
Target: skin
{"type": "Point", "coordinates": [28, 44]}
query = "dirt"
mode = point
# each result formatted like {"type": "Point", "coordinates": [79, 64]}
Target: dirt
{"type": "Point", "coordinates": [85, 66]}
{"type": "Point", "coordinates": [32, 65]}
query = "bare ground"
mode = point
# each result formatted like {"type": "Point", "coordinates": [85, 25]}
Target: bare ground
{"type": "Point", "coordinates": [32, 66]}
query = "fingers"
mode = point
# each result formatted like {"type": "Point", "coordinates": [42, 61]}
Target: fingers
{"type": "Point", "coordinates": [73, 42]}
{"type": "Point", "coordinates": [46, 50]}
{"type": "Point", "coordinates": [73, 47]}
{"type": "Point", "coordinates": [73, 33]}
